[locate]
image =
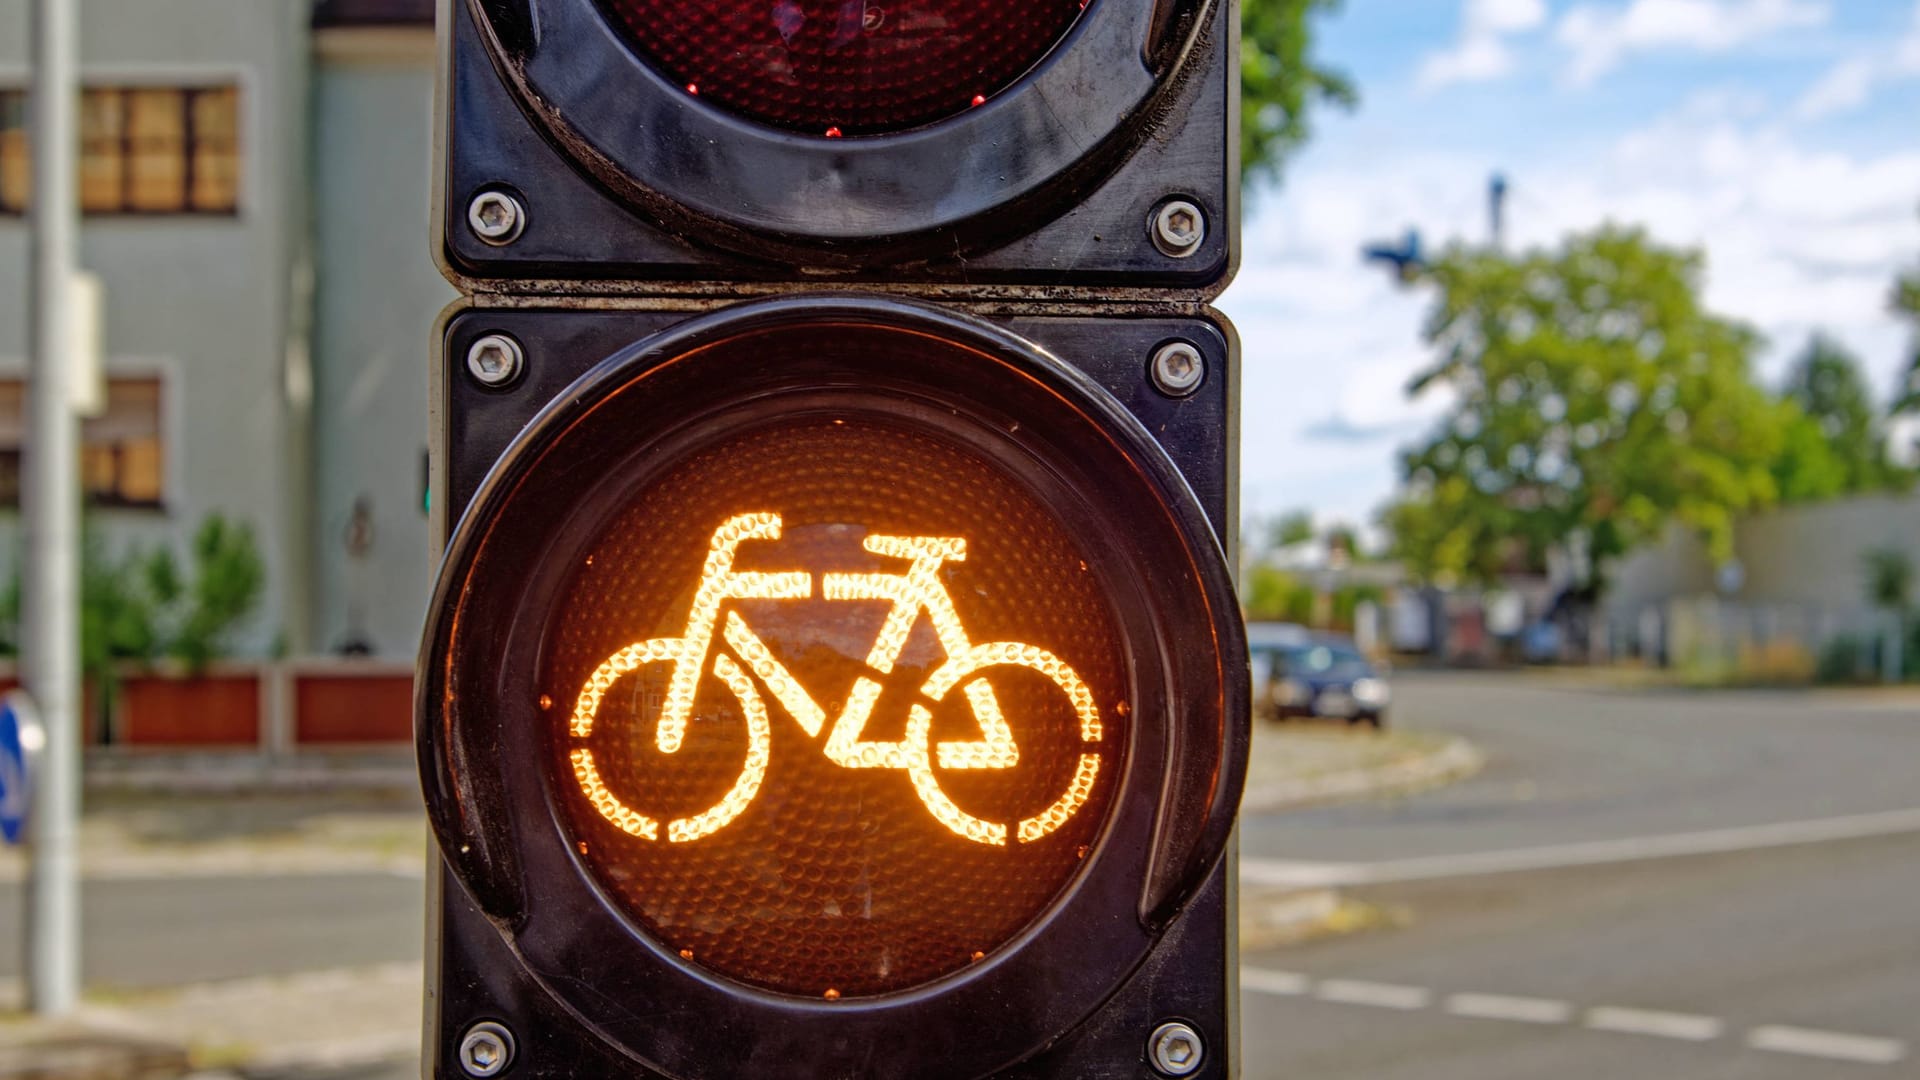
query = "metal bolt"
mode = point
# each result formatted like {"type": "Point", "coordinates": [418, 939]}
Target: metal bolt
{"type": "Point", "coordinates": [1178, 228]}
{"type": "Point", "coordinates": [1178, 369]}
{"type": "Point", "coordinates": [1176, 1049]}
{"type": "Point", "coordinates": [495, 359]}
{"type": "Point", "coordinates": [496, 217]}
{"type": "Point", "coordinates": [486, 1049]}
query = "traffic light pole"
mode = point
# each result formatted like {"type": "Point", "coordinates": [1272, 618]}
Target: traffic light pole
{"type": "Point", "coordinates": [50, 643]}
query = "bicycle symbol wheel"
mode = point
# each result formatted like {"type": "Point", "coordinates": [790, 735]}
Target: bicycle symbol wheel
{"type": "Point", "coordinates": [997, 749]}
{"type": "Point", "coordinates": [753, 771]}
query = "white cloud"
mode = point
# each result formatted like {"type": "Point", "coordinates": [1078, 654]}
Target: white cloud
{"type": "Point", "coordinates": [1481, 52]}
{"type": "Point", "coordinates": [1851, 81]}
{"type": "Point", "coordinates": [1601, 37]}
{"type": "Point", "coordinates": [1845, 86]}
{"type": "Point", "coordinates": [1796, 239]}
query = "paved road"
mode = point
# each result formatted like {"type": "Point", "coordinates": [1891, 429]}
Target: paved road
{"type": "Point", "coordinates": [1570, 765]}
{"type": "Point", "coordinates": [162, 931]}
{"type": "Point", "coordinates": [1796, 961]}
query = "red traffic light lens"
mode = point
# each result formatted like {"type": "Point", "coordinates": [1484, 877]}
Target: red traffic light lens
{"type": "Point", "coordinates": [836, 705]}
{"type": "Point", "coordinates": [853, 67]}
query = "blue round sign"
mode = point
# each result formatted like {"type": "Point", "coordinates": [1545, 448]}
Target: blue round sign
{"type": "Point", "coordinates": [21, 738]}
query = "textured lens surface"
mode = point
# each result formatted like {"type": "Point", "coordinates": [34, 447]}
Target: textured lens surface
{"type": "Point", "coordinates": [813, 863]}
{"type": "Point", "coordinates": [848, 67]}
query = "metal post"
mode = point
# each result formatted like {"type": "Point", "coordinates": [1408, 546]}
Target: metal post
{"type": "Point", "coordinates": [1497, 210]}
{"type": "Point", "coordinates": [50, 642]}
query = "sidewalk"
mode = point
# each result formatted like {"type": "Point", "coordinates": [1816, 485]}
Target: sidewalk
{"type": "Point", "coordinates": [1304, 764]}
{"type": "Point", "coordinates": [365, 1021]}
{"type": "Point", "coordinates": [1298, 764]}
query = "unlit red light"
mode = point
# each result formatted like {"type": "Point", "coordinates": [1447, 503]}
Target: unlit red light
{"type": "Point", "coordinates": [810, 65]}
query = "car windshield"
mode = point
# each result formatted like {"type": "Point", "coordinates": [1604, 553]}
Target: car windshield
{"type": "Point", "coordinates": [1323, 659]}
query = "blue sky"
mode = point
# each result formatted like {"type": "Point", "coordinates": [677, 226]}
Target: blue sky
{"type": "Point", "coordinates": [1781, 136]}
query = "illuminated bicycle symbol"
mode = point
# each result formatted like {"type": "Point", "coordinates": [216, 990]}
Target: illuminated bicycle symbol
{"type": "Point", "coordinates": [915, 590]}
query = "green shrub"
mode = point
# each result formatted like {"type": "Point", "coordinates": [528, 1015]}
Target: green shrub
{"type": "Point", "coordinates": [1842, 660]}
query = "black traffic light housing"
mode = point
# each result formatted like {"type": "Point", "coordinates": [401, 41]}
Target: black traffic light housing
{"type": "Point", "coordinates": [1149, 936]}
{"type": "Point", "coordinates": [604, 223]}
{"type": "Point", "coordinates": [630, 184]}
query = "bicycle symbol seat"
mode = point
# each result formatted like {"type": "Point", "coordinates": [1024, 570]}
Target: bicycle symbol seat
{"type": "Point", "coordinates": [915, 590]}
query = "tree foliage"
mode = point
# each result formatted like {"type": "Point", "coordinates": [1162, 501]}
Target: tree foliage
{"type": "Point", "coordinates": [1889, 574]}
{"type": "Point", "coordinates": [1280, 82]}
{"type": "Point", "coordinates": [1290, 528]}
{"type": "Point", "coordinates": [139, 606]}
{"type": "Point", "coordinates": [1906, 301]}
{"type": "Point", "coordinates": [1593, 398]}
{"type": "Point", "coordinates": [1837, 446]}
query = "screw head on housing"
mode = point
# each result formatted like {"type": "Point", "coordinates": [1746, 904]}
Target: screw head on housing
{"type": "Point", "coordinates": [495, 360]}
{"type": "Point", "coordinates": [1178, 369]}
{"type": "Point", "coordinates": [486, 1049]}
{"type": "Point", "coordinates": [1175, 1049]}
{"type": "Point", "coordinates": [1178, 227]}
{"type": "Point", "coordinates": [496, 217]}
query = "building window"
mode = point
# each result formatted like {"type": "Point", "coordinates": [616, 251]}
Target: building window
{"type": "Point", "coordinates": [122, 455]}
{"type": "Point", "coordinates": [143, 150]}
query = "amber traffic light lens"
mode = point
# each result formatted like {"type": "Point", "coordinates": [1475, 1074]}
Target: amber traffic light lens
{"type": "Point", "coordinates": [835, 704]}
{"type": "Point", "coordinates": [844, 67]}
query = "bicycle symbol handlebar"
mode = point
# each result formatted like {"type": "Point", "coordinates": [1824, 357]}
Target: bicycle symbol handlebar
{"type": "Point", "coordinates": [910, 593]}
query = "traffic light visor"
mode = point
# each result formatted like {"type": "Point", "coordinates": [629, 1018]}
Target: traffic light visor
{"type": "Point", "coordinates": [835, 703]}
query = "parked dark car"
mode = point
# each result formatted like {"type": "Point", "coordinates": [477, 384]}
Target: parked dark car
{"type": "Point", "coordinates": [1326, 676]}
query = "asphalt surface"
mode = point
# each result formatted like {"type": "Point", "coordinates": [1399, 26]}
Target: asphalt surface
{"type": "Point", "coordinates": [1766, 960]}
{"type": "Point", "coordinates": [146, 932]}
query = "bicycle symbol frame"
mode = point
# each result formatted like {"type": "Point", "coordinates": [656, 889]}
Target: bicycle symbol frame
{"type": "Point", "coordinates": [915, 590]}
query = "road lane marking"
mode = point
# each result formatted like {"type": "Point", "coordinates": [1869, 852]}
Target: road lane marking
{"type": "Point", "coordinates": [1258, 871]}
{"type": "Point", "coordinates": [1378, 994]}
{"type": "Point", "coordinates": [1269, 981]}
{"type": "Point", "coordinates": [1833, 1045]}
{"type": "Point", "coordinates": [1663, 1025]}
{"type": "Point", "coordinates": [1525, 1010]}
{"type": "Point", "coordinates": [1616, 1019]}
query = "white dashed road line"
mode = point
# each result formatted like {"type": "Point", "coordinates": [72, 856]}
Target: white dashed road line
{"type": "Point", "coordinates": [1834, 1045]}
{"type": "Point", "coordinates": [1686, 1027]}
{"type": "Point", "coordinates": [1268, 981]}
{"type": "Point", "coordinates": [1525, 1010]}
{"type": "Point", "coordinates": [1660, 1025]}
{"type": "Point", "coordinates": [1289, 872]}
{"type": "Point", "coordinates": [1378, 994]}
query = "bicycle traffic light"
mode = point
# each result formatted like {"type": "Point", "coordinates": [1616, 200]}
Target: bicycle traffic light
{"type": "Point", "coordinates": [834, 669]}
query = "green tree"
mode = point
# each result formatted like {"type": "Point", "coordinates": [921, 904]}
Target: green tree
{"type": "Point", "coordinates": [1280, 82]}
{"type": "Point", "coordinates": [1807, 469]}
{"type": "Point", "coordinates": [1826, 383]}
{"type": "Point", "coordinates": [139, 607]}
{"type": "Point", "coordinates": [1906, 301]}
{"type": "Point", "coordinates": [1889, 581]}
{"type": "Point", "coordinates": [1292, 527]}
{"type": "Point", "coordinates": [1593, 397]}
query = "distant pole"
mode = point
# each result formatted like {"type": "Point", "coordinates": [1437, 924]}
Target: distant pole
{"type": "Point", "coordinates": [1497, 210]}
{"type": "Point", "coordinates": [50, 504]}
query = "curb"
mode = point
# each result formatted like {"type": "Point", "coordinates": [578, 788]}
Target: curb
{"type": "Point", "coordinates": [1454, 759]}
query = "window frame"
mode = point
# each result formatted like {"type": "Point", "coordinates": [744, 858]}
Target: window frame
{"type": "Point", "coordinates": [114, 500]}
{"type": "Point", "coordinates": [190, 90]}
